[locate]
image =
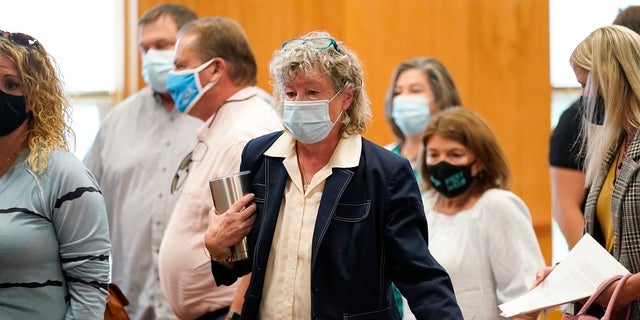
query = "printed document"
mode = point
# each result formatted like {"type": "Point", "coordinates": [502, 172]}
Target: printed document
{"type": "Point", "coordinates": [578, 276]}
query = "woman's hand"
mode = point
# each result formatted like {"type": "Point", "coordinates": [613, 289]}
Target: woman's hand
{"type": "Point", "coordinates": [228, 228]}
{"type": "Point", "coordinates": [627, 295]}
{"type": "Point", "coordinates": [541, 274]}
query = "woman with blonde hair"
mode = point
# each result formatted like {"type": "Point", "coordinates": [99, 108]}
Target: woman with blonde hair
{"type": "Point", "coordinates": [612, 101]}
{"type": "Point", "coordinates": [54, 238]}
{"type": "Point", "coordinates": [332, 218]}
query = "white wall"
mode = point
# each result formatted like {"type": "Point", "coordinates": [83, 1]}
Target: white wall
{"type": "Point", "coordinates": [570, 21]}
{"type": "Point", "coordinates": [81, 37]}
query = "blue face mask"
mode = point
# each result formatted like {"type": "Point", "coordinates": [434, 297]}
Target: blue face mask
{"type": "Point", "coordinates": [411, 113]}
{"type": "Point", "coordinates": [156, 65]}
{"type": "Point", "coordinates": [185, 87]}
{"type": "Point", "coordinates": [308, 121]}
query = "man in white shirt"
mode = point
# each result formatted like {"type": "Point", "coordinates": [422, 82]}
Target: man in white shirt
{"type": "Point", "coordinates": [214, 80]}
{"type": "Point", "coordinates": [134, 157]}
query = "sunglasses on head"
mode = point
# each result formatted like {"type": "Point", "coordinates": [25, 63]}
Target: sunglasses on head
{"type": "Point", "coordinates": [18, 38]}
{"type": "Point", "coordinates": [318, 43]}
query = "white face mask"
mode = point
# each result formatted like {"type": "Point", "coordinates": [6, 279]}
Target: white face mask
{"type": "Point", "coordinates": [308, 121]}
{"type": "Point", "coordinates": [156, 65]}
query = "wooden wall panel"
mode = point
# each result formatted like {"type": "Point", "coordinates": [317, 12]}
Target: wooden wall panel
{"type": "Point", "coordinates": [496, 50]}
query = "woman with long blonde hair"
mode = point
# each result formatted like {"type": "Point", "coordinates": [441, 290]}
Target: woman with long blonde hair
{"type": "Point", "coordinates": [54, 238]}
{"type": "Point", "coordinates": [611, 103]}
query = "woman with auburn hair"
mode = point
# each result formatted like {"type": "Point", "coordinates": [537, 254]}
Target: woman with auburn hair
{"type": "Point", "coordinates": [479, 231]}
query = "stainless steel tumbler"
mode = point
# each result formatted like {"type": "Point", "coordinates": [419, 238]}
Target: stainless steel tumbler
{"type": "Point", "coordinates": [225, 191]}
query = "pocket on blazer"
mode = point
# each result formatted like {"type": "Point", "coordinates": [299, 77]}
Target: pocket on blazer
{"type": "Point", "coordinates": [352, 212]}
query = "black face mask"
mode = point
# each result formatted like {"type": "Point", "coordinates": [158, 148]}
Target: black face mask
{"type": "Point", "coordinates": [13, 113]}
{"type": "Point", "coordinates": [450, 180]}
{"type": "Point", "coordinates": [594, 114]}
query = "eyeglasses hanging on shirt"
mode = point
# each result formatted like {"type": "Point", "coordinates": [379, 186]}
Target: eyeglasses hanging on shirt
{"type": "Point", "coordinates": [196, 155]}
{"type": "Point", "coordinates": [198, 152]}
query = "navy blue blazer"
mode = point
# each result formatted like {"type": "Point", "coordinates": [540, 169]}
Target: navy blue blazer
{"type": "Point", "coordinates": [370, 230]}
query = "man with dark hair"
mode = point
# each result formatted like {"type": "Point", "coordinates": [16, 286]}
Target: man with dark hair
{"type": "Point", "coordinates": [134, 156]}
{"type": "Point", "coordinates": [630, 18]}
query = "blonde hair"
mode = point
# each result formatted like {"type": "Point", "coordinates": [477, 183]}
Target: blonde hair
{"type": "Point", "coordinates": [581, 55]}
{"type": "Point", "coordinates": [340, 63]}
{"type": "Point", "coordinates": [49, 127]}
{"type": "Point", "coordinates": [615, 75]}
{"type": "Point", "coordinates": [469, 129]}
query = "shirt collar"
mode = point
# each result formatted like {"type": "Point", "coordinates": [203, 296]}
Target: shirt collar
{"type": "Point", "coordinates": [346, 155]}
{"type": "Point", "coordinates": [243, 94]}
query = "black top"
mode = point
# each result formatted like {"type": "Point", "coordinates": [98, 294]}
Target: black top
{"type": "Point", "coordinates": [564, 146]}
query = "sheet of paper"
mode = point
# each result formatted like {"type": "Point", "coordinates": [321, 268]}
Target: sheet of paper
{"type": "Point", "coordinates": [576, 277]}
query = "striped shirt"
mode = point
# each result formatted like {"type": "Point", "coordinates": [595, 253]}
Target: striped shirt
{"type": "Point", "coordinates": [54, 242]}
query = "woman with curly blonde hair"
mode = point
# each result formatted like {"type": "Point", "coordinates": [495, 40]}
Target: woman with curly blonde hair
{"type": "Point", "coordinates": [54, 238]}
{"type": "Point", "coordinates": [332, 219]}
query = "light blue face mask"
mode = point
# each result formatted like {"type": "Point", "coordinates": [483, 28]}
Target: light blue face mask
{"type": "Point", "coordinates": [156, 65]}
{"type": "Point", "coordinates": [308, 121]}
{"type": "Point", "coordinates": [411, 113]}
{"type": "Point", "coordinates": [185, 87]}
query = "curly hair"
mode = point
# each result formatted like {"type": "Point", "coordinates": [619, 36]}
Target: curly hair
{"type": "Point", "coordinates": [49, 127]}
{"type": "Point", "coordinates": [340, 63]}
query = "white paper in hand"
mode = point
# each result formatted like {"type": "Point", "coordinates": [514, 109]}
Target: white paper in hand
{"type": "Point", "coordinates": [575, 278]}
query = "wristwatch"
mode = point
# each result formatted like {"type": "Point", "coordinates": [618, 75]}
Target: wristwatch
{"type": "Point", "coordinates": [233, 315]}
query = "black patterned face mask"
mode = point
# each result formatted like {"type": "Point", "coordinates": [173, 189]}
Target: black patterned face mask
{"type": "Point", "coordinates": [595, 113]}
{"type": "Point", "coordinates": [450, 180]}
{"type": "Point", "coordinates": [13, 113]}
